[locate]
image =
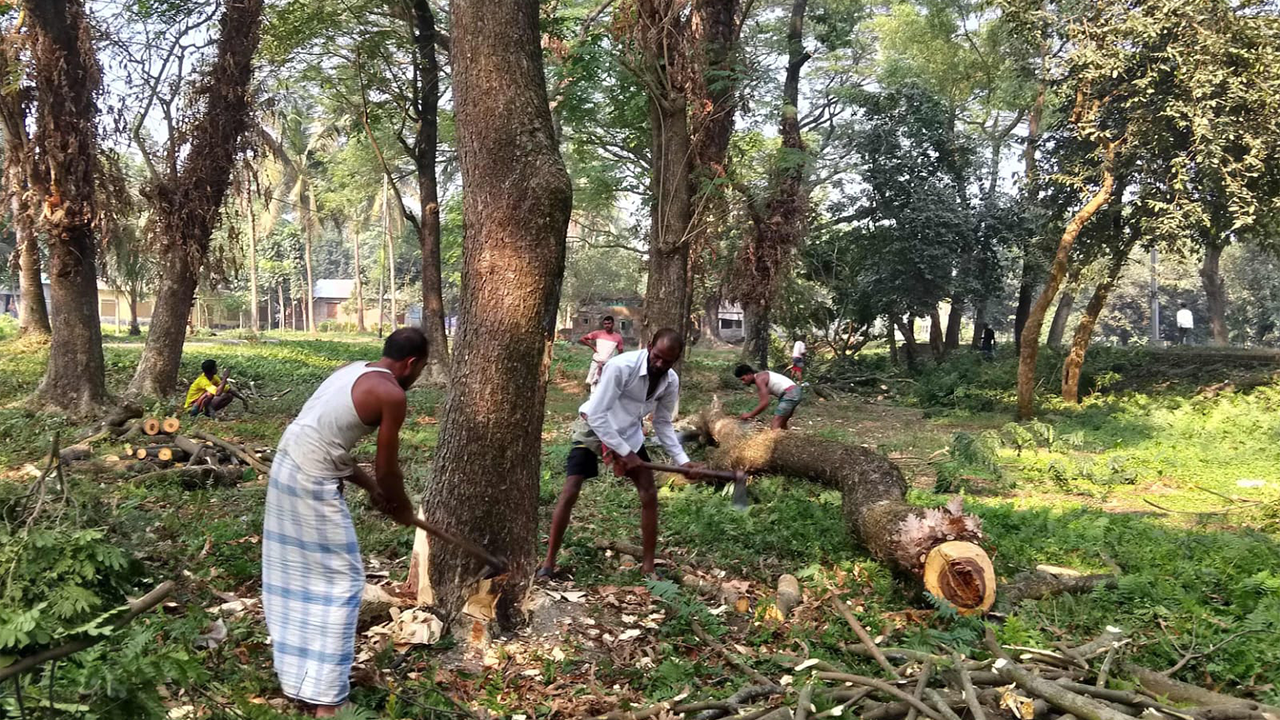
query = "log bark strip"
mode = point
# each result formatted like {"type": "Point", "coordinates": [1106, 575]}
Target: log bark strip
{"type": "Point", "coordinates": [937, 546]}
{"type": "Point", "coordinates": [1056, 695]}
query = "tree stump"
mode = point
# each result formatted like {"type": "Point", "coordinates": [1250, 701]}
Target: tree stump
{"type": "Point", "coordinates": [939, 547]}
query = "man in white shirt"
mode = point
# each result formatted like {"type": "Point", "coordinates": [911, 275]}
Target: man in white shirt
{"type": "Point", "coordinates": [632, 385]}
{"type": "Point", "coordinates": [1185, 323]}
{"type": "Point", "coordinates": [797, 359]}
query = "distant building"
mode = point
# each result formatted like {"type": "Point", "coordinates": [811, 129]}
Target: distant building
{"type": "Point", "coordinates": [731, 318]}
{"type": "Point", "coordinates": [333, 301]}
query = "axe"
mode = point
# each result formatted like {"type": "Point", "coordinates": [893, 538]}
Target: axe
{"type": "Point", "coordinates": [737, 477]}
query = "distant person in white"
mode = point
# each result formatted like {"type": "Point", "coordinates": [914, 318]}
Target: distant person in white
{"type": "Point", "coordinates": [797, 359]}
{"type": "Point", "coordinates": [1186, 323]}
{"type": "Point", "coordinates": [604, 344]}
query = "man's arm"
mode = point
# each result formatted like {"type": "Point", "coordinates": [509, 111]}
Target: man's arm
{"type": "Point", "coordinates": [608, 390]}
{"type": "Point", "coordinates": [390, 481]}
{"type": "Point", "coordinates": [587, 341]}
{"type": "Point", "coordinates": [662, 427]}
{"type": "Point", "coordinates": [762, 386]}
{"type": "Point", "coordinates": [222, 385]}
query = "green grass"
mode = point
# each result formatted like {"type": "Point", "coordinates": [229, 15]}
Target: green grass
{"type": "Point", "coordinates": [1068, 491]}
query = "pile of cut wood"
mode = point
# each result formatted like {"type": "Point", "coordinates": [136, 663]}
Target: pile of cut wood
{"type": "Point", "coordinates": [199, 457]}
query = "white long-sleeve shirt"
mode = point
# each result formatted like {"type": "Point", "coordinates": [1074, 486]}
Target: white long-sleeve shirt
{"type": "Point", "coordinates": [617, 408]}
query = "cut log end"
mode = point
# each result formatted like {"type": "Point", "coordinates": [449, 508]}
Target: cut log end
{"type": "Point", "coordinates": [170, 425]}
{"type": "Point", "coordinates": [140, 453]}
{"type": "Point", "coordinates": [151, 426]}
{"type": "Point", "coordinates": [962, 574]}
{"type": "Point", "coordinates": [164, 454]}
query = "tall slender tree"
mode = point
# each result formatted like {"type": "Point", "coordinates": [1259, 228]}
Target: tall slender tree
{"type": "Point", "coordinates": [516, 203]}
{"type": "Point", "coordinates": [67, 80]}
{"type": "Point", "coordinates": [187, 196]}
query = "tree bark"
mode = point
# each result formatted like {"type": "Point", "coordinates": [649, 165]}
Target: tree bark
{"type": "Point", "coordinates": [1084, 331]}
{"type": "Point", "coordinates": [188, 204]}
{"type": "Point", "coordinates": [425, 147]}
{"type": "Point", "coordinates": [755, 335]}
{"type": "Point", "coordinates": [1027, 284]}
{"type": "Point", "coordinates": [1215, 291]}
{"type": "Point", "coordinates": [893, 342]}
{"type": "Point", "coordinates": [67, 79]}
{"type": "Point", "coordinates": [355, 249]}
{"type": "Point", "coordinates": [925, 546]}
{"type": "Point", "coordinates": [33, 313]}
{"type": "Point", "coordinates": [1026, 295]}
{"type": "Point", "coordinates": [516, 203]}
{"type": "Point", "coordinates": [135, 291]}
{"type": "Point", "coordinates": [1029, 350]}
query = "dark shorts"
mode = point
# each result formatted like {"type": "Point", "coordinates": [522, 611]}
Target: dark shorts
{"type": "Point", "coordinates": [797, 362]}
{"type": "Point", "coordinates": [583, 462]}
{"type": "Point", "coordinates": [788, 402]}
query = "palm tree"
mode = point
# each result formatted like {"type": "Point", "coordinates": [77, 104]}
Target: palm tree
{"type": "Point", "coordinates": [296, 142]}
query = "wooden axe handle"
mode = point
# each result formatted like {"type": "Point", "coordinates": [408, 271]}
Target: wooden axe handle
{"type": "Point", "coordinates": [497, 565]}
{"type": "Point", "coordinates": [730, 475]}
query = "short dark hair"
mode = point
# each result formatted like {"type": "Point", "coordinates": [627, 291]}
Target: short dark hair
{"type": "Point", "coordinates": [743, 370]}
{"type": "Point", "coordinates": [1182, 304]}
{"type": "Point", "coordinates": [668, 335]}
{"type": "Point", "coordinates": [209, 367]}
{"type": "Point", "coordinates": [605, 319]}
{"type": "Point", "coordinates": [407, 342]}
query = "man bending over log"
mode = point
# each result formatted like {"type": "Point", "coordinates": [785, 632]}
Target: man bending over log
{"type": "Point", "coordinates": [312, 574]}
{"type": "Point", "coordinates": [209, 393]}
{"type": "Point", "coordinates": [610, 426]}
{"type": "Point", "coordinates": [768, 385]}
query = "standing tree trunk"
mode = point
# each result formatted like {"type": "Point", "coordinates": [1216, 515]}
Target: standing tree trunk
{"type": "Point", "coordinates": [755, 335]}
{"type": "Point", "coordinates": [33, 314]}
{"type": "Point", "coordinates": [1084, 331]}
{"type": "Point", "coordinates": [936, 343]}
{"type": "Point", "coordinates": [424, 154]}
{"type": "Point", "coordinates": [280, 303]}
{"type": "Point", "coordinates": [954, 319]}
{"type": "Point", "coordinates": [188, 204]}
{"type": "Point", "coordinates": [253, 254]}
{"type": "Point", "coordinates": [1026, 295]}
{"type": "Point", "coordinates": [135, 291]}
{"type": "Point", "coordinates": [1215, 291]}
{"type": "Point", "coordinates": [909, 347]}
{"type": "Point", "coordinates": [67, 79]}
{"type": "Point", "coordinates": [892, 337]}
{"type": "Point", "coordinates": [979, 325]}
{"type": "Point", "coordinates": [1030, 349]}
{"type": "Point", "coordinates": [711, 319]}
{"type": "Point", "coordinates": [1027, 285]}
{"type": "Point", "coordinates": [355, 249]}
{"type": "Point", "coordinates": [516, 203]}
{"type": "Point", "coordinates": [310, 310]}
{"type": "Point", "coordinates": [667, 299]}
{"type": "Point", "coordinates": [1062, 313]}
{"type": "Point", "coordinates": [779, 221]}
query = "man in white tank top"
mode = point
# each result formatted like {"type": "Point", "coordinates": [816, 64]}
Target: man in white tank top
{"type": "Point", "coordinates": [312, 573]}
{"type": "Point", "coordinates": [769, 385]}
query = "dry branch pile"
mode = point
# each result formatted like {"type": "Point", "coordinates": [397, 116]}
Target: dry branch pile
{"type": "Point", "coordinates": [938, 546]}
{"type": "Point", "coordinates": [1070, 683]}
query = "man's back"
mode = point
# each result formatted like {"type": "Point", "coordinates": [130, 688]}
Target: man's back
{"type": "Point", "coordinates": [320, 439]}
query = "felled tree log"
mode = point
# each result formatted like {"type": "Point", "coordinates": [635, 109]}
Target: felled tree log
{"type": "Point", "coordinates": [939, 546]}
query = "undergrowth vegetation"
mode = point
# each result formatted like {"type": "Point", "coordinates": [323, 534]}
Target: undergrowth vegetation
{"type": "Point", "coordinates": [1198, 568]}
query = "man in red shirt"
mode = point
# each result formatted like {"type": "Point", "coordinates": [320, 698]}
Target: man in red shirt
{"type": "Point", "coordinates": [604, 344]}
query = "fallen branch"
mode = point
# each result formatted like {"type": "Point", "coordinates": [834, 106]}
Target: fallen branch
{"type": "Point", "coordinates": [729, 657]}
{"type": "Point", "coordinates": [1158, 683]}
{"type": "Point", "coordinates": [966, 687]}
{"type": "Point", "coordinates": [134, 609]}
{"type": "Point", "coordinates": [884, 688]}
{"type": "Point", "coordinates": [862, 634]}
{"type": "Point", "coordinates": [922, 684]}
{"type": "Point", "coordinates": [940, 703]}
{"type": "Point", "coordinates": [1192, 655]}
{"type": "Point", "coordinates": [1081, 706]}
{"type": "Point", "coordinates": [236, 450]}
{"type": "Point", "coordinates": [739, 699]}
{"type": "Point", "coordinates": [804, 702]}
